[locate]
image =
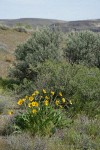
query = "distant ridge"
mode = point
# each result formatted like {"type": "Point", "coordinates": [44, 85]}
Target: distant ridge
{"type": "Point", "coordinates": [31, 21]}
{"type": "Point", "coordinates": [65, 26]}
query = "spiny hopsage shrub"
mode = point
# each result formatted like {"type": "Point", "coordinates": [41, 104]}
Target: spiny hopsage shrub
{"type": "Point", "coordinates": [43, 112]}
{"type": "Point", "coordinates": [45, 44]}
{"type": "Point", "coordinates": [83, 47]}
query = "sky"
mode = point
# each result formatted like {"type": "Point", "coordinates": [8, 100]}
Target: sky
{"type": "Point", "coordinates": [67, 10]}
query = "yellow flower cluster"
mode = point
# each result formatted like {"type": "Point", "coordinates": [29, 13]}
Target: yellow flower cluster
{"type": "Point", "coordinates": [37, 101]}
{"type": "Point", "coordinates": [35, 104]}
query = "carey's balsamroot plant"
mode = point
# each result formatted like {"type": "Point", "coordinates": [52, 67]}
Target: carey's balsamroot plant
{"type": "Point", "coordinates": [42, 112]}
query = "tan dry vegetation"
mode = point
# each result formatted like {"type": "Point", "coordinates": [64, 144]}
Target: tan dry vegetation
{"type": "Point", "coordinates": [11, 39]}
{"type": "Point", "coordinates": [3, 144]}
{"type": "Point", "coordinates": [4, 121]}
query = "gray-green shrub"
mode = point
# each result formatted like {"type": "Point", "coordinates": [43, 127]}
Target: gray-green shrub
{"type": "Point", "coordinates": [83, 47]}
{"type": "Point", "coordinates": [77, 82]}
{"type": "Point", "coordinates": [43, 45]}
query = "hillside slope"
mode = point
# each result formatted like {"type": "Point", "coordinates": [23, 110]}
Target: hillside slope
{"type": "Point", "coordinates": [93, 25]}
{"type": "Point", "coordinates": [9, 39]}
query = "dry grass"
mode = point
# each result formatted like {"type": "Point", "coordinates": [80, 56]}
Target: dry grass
{"type": "Point", "coordinates": [5, 122]}
{"type": "Point", "coordinates": [83, 134]}
{"type": "Point", "coordinates": [13, 38]}
{"type": "Point", "coordinates": [9, 39]}
{"type": "Point", "coordinates": [3, 144]}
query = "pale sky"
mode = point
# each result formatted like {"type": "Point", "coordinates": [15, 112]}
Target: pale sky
{"type": "Point", "coordinates": [50, 9]}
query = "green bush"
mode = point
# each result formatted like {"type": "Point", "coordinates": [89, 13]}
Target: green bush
{"type": "Point", "coordinates": [56, 76]}
{"type": "Point", "coordinates": [43, 45]}
{"type": "Point", "coordinates": [7, 83]}
{"type": "Point", "coordinates": [78, 82]}
{"type": "Point", "coordinates": [83, 47]}
{"type": "Point", "coordinates": [20, 29]}
{"type": "Point", "coordinates": [87, 82]}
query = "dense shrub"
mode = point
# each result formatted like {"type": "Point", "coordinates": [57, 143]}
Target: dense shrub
{"type": "Point", "coordinates": [77, 82]}
{"type": "Point", "coordinates": [44, 44]}
{"type": "Point", "coordinates": [86, 87]}
{"type": "Point", "coordinates": [74, 80]}
{"type": "Point", "coordinates": [83, 47]}
{"type": "Point", "coordinates": [56, 76]}
{"type": "Point", "coordinates": [7, 83]}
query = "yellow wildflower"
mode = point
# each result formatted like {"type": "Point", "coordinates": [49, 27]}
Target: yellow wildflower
{"type": "Point", "coordinates": [36, 92]}
{"type": "Point", "coordinates": [57, 102]}
{"type": "Point", "coordinates": [10, 112]}
{"type": "Point", "coordinates": [46, 102]}
{"type": "Point", "coordinates": [33, 94]}
{"type": "Point", "coordinates": [41, 97]}
{"type": "Point", "coordinates": [70, 102]}
{"type": "Point", "coordinates": [52, 93]}
{"type": "Point", "coordinates": [20, 102]}
{"type": "Point", "coordinates": [26, 97]}
{"type": "Point", "coordinates": [46, 97]}
{"type": "Point", "coordinates": [30, 105]}
{"type": "Point", "coordinates": [35, 104]}
{"type": "Point", "coordinates": [63, 100]}
{"type": "Point", "coordinates": [60, 94]}
{"type": "Point", "coordinates": [31, 98]}
{"type": "Point", "coordinates": [34, 111]}
{"type": "Point", "coordinates": [60, 106]}
{"type": "Point", "coordinates": [44, 91]}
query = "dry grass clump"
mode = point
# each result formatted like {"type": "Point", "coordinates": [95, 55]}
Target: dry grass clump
{"type": "Point", "coordinates": [6, 117]}
{"type": "Point", "coordinates": [3, 144]}
{"type": "Point", "coordinates": [22, 141]}
{"type": "Point", "coordinates": [6, 122]}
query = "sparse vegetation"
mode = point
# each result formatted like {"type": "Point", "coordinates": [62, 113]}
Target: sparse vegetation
{"type": "Point", "coordinates": [20, 29]}
{"type": "Point", "coordinates": [4, 27]}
